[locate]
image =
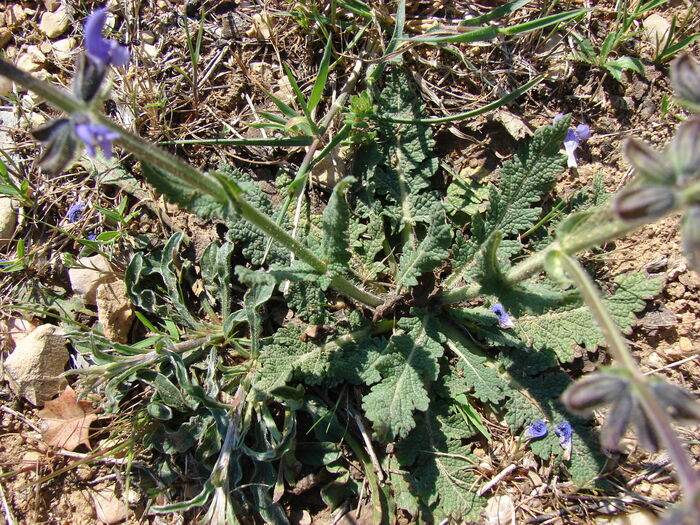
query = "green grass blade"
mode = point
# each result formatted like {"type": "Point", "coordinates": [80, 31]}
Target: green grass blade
{"type": "Point", "coordinates": [543, 22]}
{"type": "Point", "coordinates": [672, 51]}
{"type": "Point", "coordinates": [499, 12]}
{"type": "Point", "coordinates": [357, 8]}
{"type": "Point", "coordinates": [272, 118]}
{"type": "Point", "coordinates": [286, 110]}
{"type": "Point", "coordinates": [280, 142]}
{"type": "Point", "coordinates": [321, 78]}
{"type": "Point", "coordinates": [297, 91]}
{"type": "Point", "coordinates": [469, 114]}
{"type": "Point", "coordinates": [482, 34]}
{"type": "Point", "coordinates": [396, 38]}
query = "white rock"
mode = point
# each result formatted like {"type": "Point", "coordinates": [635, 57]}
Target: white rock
{"type": "Point", "coordinates": [329, 170]}
{"type": "Point", "coordinates": [5, 86]}
{"type": "Point", "coordinates": [55, 24]}
{"type": "Point", "coordinates": [151, 50]}
{"type": "Point", "coordinates": [17, 329]}
{"type": "Point", "coordinates": [114, 310]}
{"type": "Point", "coordinates": [5, 36]}
{"type": "Point", "coordinates": [656, 29]}
{"type": "Point", "coordinates": [34, 369]}
{"type": "Point", "coordinates": [15, 15]}
{"type": "Point", "coordinates": [8, 220]}
{"type": "Point", "coordinates": [31, 60]}
{"type": "Point", "coordinates": [500, 510]}
{"type": "Point", "coordinates": [148, 37]}
{"type": "Point", "coordinates": [64, 49]}
{"type": "Point", "coordinates": [90, 274]}
{"type": "Point", "coordinates": [52, 5]}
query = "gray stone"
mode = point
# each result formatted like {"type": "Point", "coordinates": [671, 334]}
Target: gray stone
{"type": "Point", "coordinates": [34, 369]}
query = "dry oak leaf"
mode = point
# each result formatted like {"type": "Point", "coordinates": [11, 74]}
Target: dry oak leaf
{"type": "Point", "coordinates": [66, 421]}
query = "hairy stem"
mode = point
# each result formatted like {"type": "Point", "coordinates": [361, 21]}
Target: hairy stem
{"type": "Point", "coordinates": [216, 186]}
{"type": "Point", "coordinates": [616, 344]}
{"type": "Point", "coordinates": [612, 229]}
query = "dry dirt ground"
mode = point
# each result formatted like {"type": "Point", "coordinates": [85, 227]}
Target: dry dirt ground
{"type": "Point", "coordinates": [242, 52]}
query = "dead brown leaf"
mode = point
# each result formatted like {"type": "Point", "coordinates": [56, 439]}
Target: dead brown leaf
{"type": "Point", "coordinates": [67, 421]}
{"type": "Point", "coordinates": [108, 507]}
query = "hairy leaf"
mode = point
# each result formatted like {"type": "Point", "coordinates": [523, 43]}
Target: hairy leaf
{"type": "Point", "coordinates": [440, 469]}
{"type": "Point", "coordinates": [559, 329]}
{"type": "Point", "coordinates": [410, 361]}
{"type": "Point", "coordinates": [336, 221]}
{"type": "Point", "coordinates": [429, 254]}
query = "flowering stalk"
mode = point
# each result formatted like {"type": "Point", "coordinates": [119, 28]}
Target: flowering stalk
{"type": "Point", "coordinates": [660, 420]}
{"type": "Point", "coordinates": [218, 187]}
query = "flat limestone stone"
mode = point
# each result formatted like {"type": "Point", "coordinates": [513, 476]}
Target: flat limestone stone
{"type": "Point", "coordinates": [34, 368]}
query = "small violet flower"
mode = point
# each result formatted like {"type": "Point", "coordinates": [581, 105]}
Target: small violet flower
{"type": "Point", "coordinates": [565, 432]}
{"type": "Point", "coordinates": [104, 52]}
{"type": "Point", "coordinates": [504, 320]}
{"type": "Point", "coordinates": [573, 138]}
{"type": "Point", "coordinates": [75, 211]}
{"type": "Point", "coordinates": [92, 237]}
{"type": "Point", "coordinates": [536, 430]}
{"type": "Point", "coordinates": [94, 135]}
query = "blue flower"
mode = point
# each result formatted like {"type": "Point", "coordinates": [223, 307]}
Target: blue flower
{"type": "Point", "coordinates": [536, 430]}
{"type": "Point", "coordinates": [75, 211]}
{"type": "Point", "coordinates": [92, 237]}
{"type": "Point", "coordinates": [96, 135]}
{"type": "Point", "coordinates": [572, 141]}
{"type": "Point", "coordinates": [565, 432]}
{"type": "Point", "coordinates": [104, 52]}
{"type": "Point", "coordinates": [504, 320]}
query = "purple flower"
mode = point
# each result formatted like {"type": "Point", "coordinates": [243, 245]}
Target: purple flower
{"type": "Point", "coordinates": [565, 432]}
{"type": "Point", "coordinates": [504, 320]}
{"type": "Point", "coordinates": [94, 135]}
{"type": "Point", "coordinates": [92, 237]}
{"type": "Point", "coordinates": [75, 211]}
{"type": "Point", "coordinates": [104, 52]}
{"type": "Point", "coordinates": [573, 138]}
{"type": "Point", "coordinates": [536, 430]}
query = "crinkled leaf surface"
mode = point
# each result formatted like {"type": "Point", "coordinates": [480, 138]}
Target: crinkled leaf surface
{"type": "Point", "coordinates": [559, 329]}
{"type": "Point", "coordinates": [409, 363]}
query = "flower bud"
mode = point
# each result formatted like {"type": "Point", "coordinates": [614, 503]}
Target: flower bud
{"type": "Point", "coordinates": [61, 144]}
{"type": "Point", "coordinates": [593, 391]}
{"type": "Point", "coordinates": [648, 163]}
{"type": "Point", "coordinates": [685, 77]}
{"type": "Point", "coordinates": [644, 202]}
{"type": "Point", "coordinates": [616, 422]}
{"type": "Point", "coordinates": [646, 434]}
{"type": "Point", "coordinates": [684, 152]}
{"type": "Point", "coordinates": [690, 236]}
{"type": "Point", "coordinates": [679, 403]}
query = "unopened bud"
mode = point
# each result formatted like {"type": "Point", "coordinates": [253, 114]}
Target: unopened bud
{"type": "Point", "coordinates": [644, 203]}
{"type": "Point", "coordinates": [616, 422]}
{"type": "Point", "coordinates": [685, 77]}
{"type": "Point", "coordinates": [684, 152]}
{"type": "Point", "coordinates": [690, 236]}
{"type": "Point", "coordinates": [680, 404]}
{"type": "Point", "coordinates": [61, 144]}
{"type": "Point", "coordinates": [593, 391]}
{"type": "Point", "coordinates": [648, 163]}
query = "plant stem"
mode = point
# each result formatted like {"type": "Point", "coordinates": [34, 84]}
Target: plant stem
{"type": "Point", "coordinates": [215, 186]}
{"type": "Point", "coordinates": [571, 244]}
{"type": "Point", "coordinates": [616, 344]}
